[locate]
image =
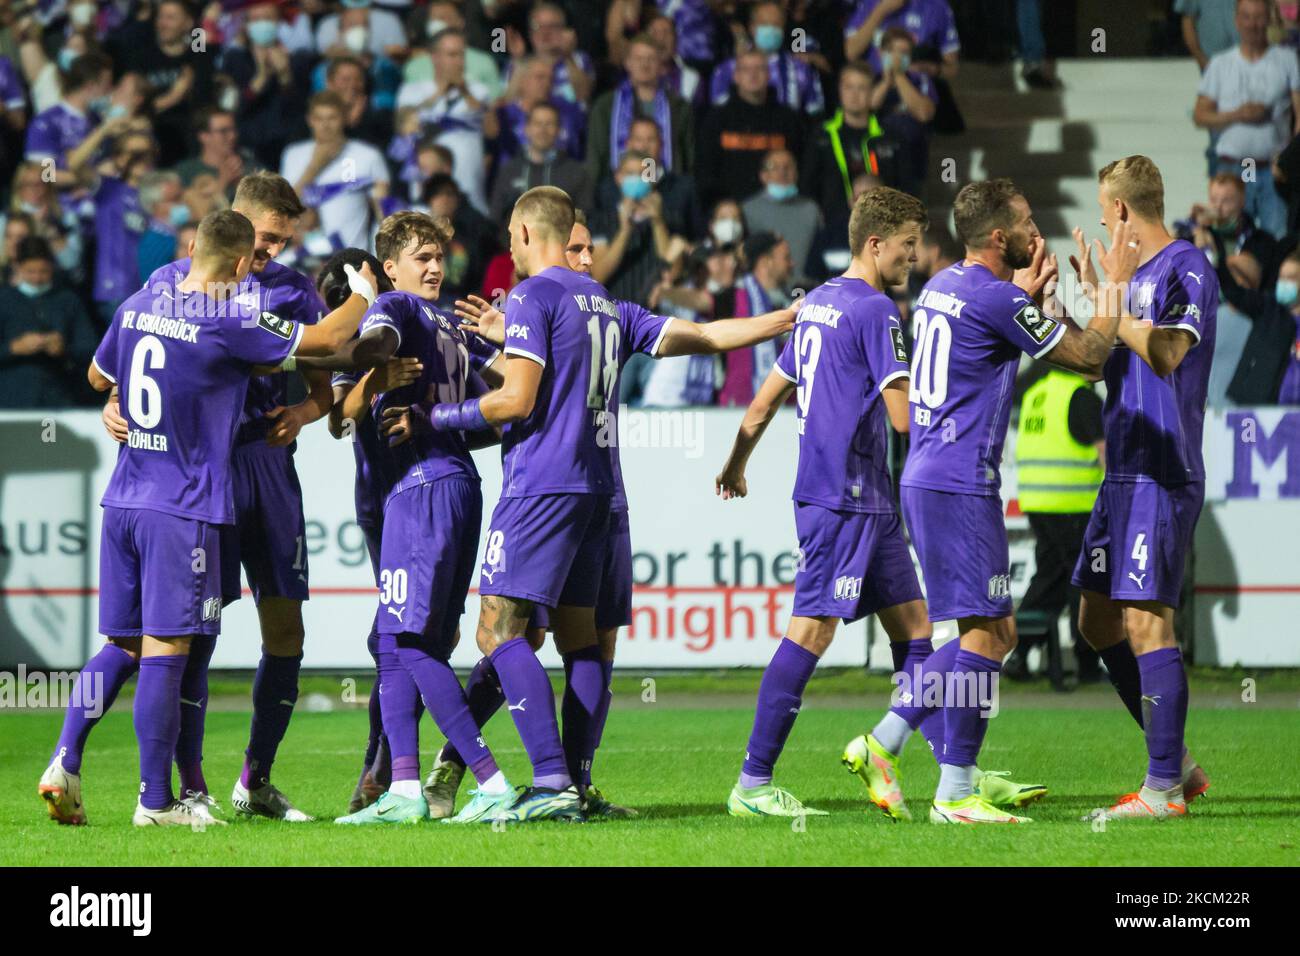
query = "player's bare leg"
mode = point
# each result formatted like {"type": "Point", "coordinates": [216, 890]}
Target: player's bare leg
{"type": "Point", "coordinates": [503, 622]}
{"type": "Point", "coordinates": [157, 725]}
{"type": "Point", "coordinates": [780, 697]}
{"type": "Point", "coordinates": [96, 688]}
{"type": "Point", "coordinates": [1105, 625]}
{"type": "Point", "coordinates": [275, 692]}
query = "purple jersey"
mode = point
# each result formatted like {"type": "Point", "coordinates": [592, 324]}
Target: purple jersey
{"type": "Point", "coordinates": [694, 25]}
{"type": "Point", "coordinates": [280, 293]}
{"type": "Point", "coordinates": [795, 83]}
{"type": "Point", "coordinates": [119, 224]}
{"type": "Point", "coordinates": [569, 324]}
{"type": "Point", "coordinates": [930, 22]}
{"type": "Point", "coordinates": [1154, 424]}
{"type": "Point", "coordinates": [12, 92]}
{"type": "Point", "coordinates": [514, 118]}
{"type": "Point", "coordinates": [55, 132]}
{"type": "Point", "coordinates": [181, 362]}
{"type": "Point", "coordinates": [847, 346]}
{"type": "Point", "coordinates": [425, 333]}
{"type": "Point", "coordinates": [970, 328]}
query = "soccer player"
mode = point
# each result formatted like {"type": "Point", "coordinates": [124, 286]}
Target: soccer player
{"type": "Point", "coordinates": [431, 517]}
{"type": "Point", "coordinates": [588, 671]}
{"type": "Point", "coordinates": [269, 537]}
{"type": "Point", "coordinates": [182, 356]}
{"type": "Point", "coordinates": [972, 322]}
{"type": "Point", "coordinates": [1135, 547]}
{"type": "Point", "coordinates": [354, 393]}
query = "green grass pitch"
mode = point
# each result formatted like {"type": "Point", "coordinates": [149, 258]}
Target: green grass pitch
{"type": "Point", "coordinates": [676, 758]}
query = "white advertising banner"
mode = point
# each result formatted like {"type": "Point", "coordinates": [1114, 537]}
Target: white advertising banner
{"type": "Point", "coordinates": [713, 578]}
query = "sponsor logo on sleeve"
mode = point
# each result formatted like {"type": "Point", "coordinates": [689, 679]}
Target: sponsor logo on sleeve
{"type": "Point", "coordinates": [276, 325]}
{"type": "Point", "coordinates": [517, 332]}
{"type": "Point", "coordinates": [1035, 323]}
{"type": "Point", "coordinates": [900, 348]}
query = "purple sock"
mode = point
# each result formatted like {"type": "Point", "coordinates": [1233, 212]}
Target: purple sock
{"type": "Point", "coordinates": [524, 681]}
{"type": "Point", "coordinates": [194, 708]}
{"type": "Point", "coordinates": [275, 691]}
{"type": "Point", "coordinates": [1164, 711]}
{"type": "Point", "coordinates": [925, 682]}
{"type": "Point", "coordinates": [398, 696]}
{"type": "Point", "coordinates": [780, 695]}
{"type": "Point", "coordinates": [584, 688]}
{"type": "Point", "coordinates": [445, 699]}
{"type": "Point", "coordinates": [485, 696]}
{"type": "Point", "coordinates": [602, 714]}
{"type": "Point", "coordinates": [1122, 667]}
{"type": "Point", "coordinates": [157, 718]}
{"type": "Point", "coordinates": [907, 654]}
{"type": "Point", "coordinates": [966, 701]}
{"type": "Point", "coordinates": [92, 695]}
{"type": "Point", "coordinates": [376, 717]}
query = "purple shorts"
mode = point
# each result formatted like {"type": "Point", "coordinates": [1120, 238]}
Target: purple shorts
{"type": "Point", "coordinates": [961, 541]}
{"type": "Point", "coordinates": [426, 560]}
{"type": "Point", "coordinates": [614, 603]}
{"type": "Point", "coordinates": [851, 564]}
{"type": "Point", "coordinates": [1136, 544]}
{"type": "Point", "coordinates": [269, 536]}
{"type": "Point", "coordinates": [548, 549]}
{"type": "Point", "coordinates": [159, 574]}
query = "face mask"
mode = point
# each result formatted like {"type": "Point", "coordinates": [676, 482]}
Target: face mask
{"type": "Point", "coordinates": [229, 99]}
{"type": "Point", "coordinates": [713, 286]}
{"type": "Point", "coordinates": [179, 215]}
{"type": "Point", "coordinates": [356, 4]}
{"type": "Point", "coordinates": [32, 291]}
{"type": "Point", "coordinates": [114, 111]}
{"type": "Point", "coordinates": [31, 208]}
{"type": "Point", "coordinates": [82, 15]}
{"type": "Point", "coordinates": [900, 60]}
{"type": "Point", "coordinates": [726, 231]}
{"type": "Point", "coordinates": [782, 191]}
{"type": "Point", "coordinates": [263, 32]}
{"type": "Point", "coordinates": [101, 105]}
{"type": "Point", "coordinates": [66, 58]}
{"type": "Point", "coordinates": [634, 187]}
{"type": "Point", "coordinates": [768, 37]}
{"type": "Point", "coordinates": [356, 39]}
{"type": "Point", "coordinates": [1287, 291]}
{"type": "Point", "coordinates": [434, 27]}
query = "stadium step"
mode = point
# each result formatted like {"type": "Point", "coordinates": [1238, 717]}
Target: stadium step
{"type": "Point", "coordinates": [1052, 142]}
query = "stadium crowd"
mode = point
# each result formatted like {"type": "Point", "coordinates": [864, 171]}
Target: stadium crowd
{"type": "Point", "coordinates": [716, 145]}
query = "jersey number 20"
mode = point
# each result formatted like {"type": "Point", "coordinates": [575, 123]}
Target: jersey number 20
{"type": "Point", "coordinates": [929, 384]}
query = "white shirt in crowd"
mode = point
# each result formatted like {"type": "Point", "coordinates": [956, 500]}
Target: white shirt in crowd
{"type": "Point", "coordinates": [385, 30]}
{"type": "Point", "coordinates": [1232, 81]}
{"type": "Point", "coordinates": [341, 193]}
{"type": "Point", "coordinates": [459, 127]}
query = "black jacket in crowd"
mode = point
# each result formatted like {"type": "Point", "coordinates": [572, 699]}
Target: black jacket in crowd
{"type": "Point", "coordinates": [1264, 358]}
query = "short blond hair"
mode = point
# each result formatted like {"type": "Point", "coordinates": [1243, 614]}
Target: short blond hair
{"type": "Point", "coordinates": [223, 238]}
{"type": "Point", "coordinates": [881, 211]}
{"type": "Point", "coordinates": [548, 211]}
{"type": "Point", "coordinates": [1136, 182]}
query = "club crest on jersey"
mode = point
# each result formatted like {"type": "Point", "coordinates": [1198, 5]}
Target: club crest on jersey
{"type": "Point", "coordinates": [1000, 586]}
{"type": "Point", "coordinates": [276, 325]}
{"type": "Point", "coordinates": [900, 347]}
{"type": "Point", "coordinates": [1035, 323]}
{"type": "Point", "coordinates": [847, 588]}
{"type": "Point", "coordinates": [212, 609]}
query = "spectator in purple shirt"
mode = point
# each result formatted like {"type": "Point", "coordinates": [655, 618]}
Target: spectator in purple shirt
{"type": "Point", "coordinates": [695, 25]}
{"type": "Point", "coordinates": [796, 84]}
{"type": "Point", "coordinates": [930, 22]}
{"type": "Point", "coordinates": [549, 34]}
{"type": "Point", "coordinates": [55, 132]}
{"type": "Point", "coordinates": [120, 220]}
{"type": "Point", "coordinates": [530, 85]}
{"type": "Point", "coordinates": [904, 103]}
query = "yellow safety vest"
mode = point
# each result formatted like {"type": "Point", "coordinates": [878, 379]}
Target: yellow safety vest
{"type": "Point", "coordinates": [1055, 473]}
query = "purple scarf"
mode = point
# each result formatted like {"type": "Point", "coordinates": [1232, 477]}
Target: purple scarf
{"type": "Point", "coordinates": [620, 123]}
